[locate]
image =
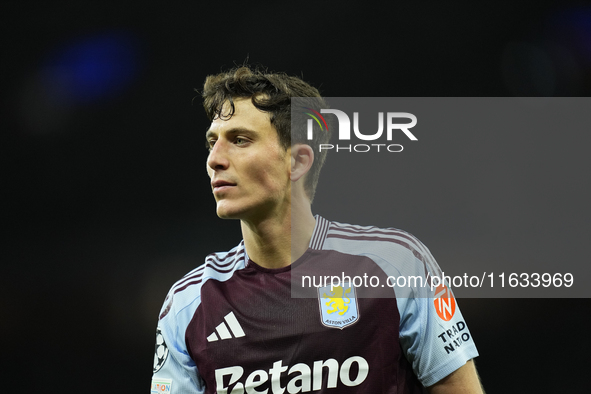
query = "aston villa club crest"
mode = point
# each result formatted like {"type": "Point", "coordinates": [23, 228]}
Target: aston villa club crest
{"type": "Point", "coordinates": [338, 307]}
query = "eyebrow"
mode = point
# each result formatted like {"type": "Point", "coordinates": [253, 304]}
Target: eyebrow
{"type": "Point", "coordinates": [232, 131]}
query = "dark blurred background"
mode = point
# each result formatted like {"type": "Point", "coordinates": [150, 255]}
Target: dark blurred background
{"type": "Point", "coordinates": [106, 199]}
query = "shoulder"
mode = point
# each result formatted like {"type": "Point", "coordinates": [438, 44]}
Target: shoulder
{"type": "Point", "coordinates": [374, 235]}
{"type": "Point", "coordinates": [218, 266]}
{"type": "Point", "coordinates": [387, 244]}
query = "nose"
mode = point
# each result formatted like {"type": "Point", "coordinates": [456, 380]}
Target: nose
{"type": "Point", "coordinates": [218, 156]}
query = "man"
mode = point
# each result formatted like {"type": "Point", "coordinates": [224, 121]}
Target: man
{"type": "Point", "coordinates": [232, 325]}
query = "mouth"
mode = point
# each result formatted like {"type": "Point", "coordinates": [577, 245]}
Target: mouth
{"type": "Point", "coordinates": [220, 185]}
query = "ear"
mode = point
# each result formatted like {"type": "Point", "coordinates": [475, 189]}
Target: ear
{"type": "Point", "coordinates": [302, 157]}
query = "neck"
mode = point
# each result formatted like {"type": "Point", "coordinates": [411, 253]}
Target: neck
{"type": "Point", "coordinates": [278, 241]}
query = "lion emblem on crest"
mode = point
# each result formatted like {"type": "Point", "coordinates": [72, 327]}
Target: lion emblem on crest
{"type": "Point", "coordinates": [338, 300]}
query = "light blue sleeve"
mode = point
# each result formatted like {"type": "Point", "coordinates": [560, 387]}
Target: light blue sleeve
{"type": "Point", "coordinates": [434, 334]}
{"type": "Point", "coordinates": [174, 370]}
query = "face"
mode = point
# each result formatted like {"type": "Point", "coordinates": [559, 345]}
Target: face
{"type": "Point", "coordinates": [249, 169]}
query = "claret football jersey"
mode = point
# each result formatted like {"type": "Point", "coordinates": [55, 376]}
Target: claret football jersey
{"type": "Point", "coordinates": [231, 326]}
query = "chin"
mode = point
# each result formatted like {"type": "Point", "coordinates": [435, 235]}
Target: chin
{"type": "Point", "coordinates": [224, 211]}
{"type": "Point", "coordinates": [244, 210]}
{"type": "Point", "coordinates": [224, 214]}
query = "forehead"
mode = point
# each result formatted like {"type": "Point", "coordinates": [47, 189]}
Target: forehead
{"type": "Point", "coordinates": [246, 116]}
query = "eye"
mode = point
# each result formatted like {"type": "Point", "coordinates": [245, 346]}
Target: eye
{"type": "Point", "coordinates": [240, 141]}
{"type": "Point", "coordinates": [210, 143]}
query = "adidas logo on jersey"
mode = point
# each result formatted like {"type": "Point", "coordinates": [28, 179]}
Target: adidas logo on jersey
{"type": "Point", "coordinates": [304, 378]}
{"type": "Point", "coordinates": [226, 329]}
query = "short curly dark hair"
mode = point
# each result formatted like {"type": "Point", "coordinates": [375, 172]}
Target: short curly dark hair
{"type": "Point", "coordinates": [272, 93]}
